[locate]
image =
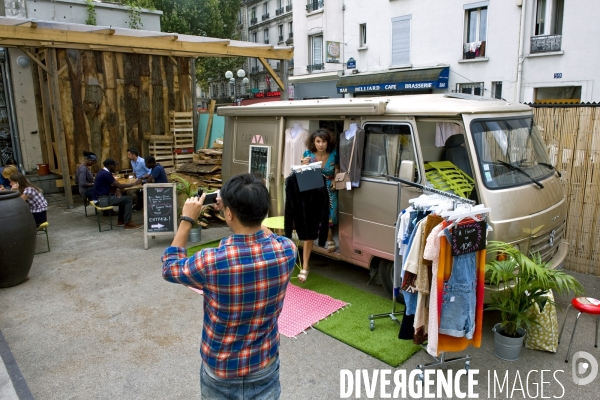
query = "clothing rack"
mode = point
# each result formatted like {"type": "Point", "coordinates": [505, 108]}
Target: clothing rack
{"type": "Point", "coordinates": [441, 360]}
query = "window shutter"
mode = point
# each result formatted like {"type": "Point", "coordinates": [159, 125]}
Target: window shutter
{"type": "Point", "coordinates": [317, 50]}
{"type": "Point", "coordinates": [401, 40]}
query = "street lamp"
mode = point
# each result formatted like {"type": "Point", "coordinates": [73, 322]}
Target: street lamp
{"type": "Point", "coordinates": [240, 74]}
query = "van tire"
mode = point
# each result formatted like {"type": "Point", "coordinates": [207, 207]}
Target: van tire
{"type": "Point", "coordinates": [386, 277]}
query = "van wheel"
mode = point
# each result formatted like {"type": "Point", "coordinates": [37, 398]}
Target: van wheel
{"type": "Point", "coordinates": [386, 277]}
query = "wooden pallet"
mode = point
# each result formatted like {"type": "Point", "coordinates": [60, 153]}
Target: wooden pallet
{"type": "Point", "coordinates": [181, 159]}
{"type": "Point", "coordinates": [161, 148]}
{"type": "Point", "coordinates": [181, 126]}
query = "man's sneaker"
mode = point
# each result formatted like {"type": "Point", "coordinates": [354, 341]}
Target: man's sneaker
{"type": "Point", "coordinates": [120, 222]}
{"type": "Point", "coordinates": [132, 225]}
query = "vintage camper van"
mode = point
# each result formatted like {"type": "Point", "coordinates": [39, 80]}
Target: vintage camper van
{"type": "Point", "coordinates": [503, 152]}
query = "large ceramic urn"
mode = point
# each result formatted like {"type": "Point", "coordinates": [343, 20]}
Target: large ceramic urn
{"type": "Point", "coordinates": [17, 239]}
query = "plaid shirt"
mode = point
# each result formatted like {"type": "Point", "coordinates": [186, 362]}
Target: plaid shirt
{"type": "Point", "coordinates": [36, 201]}
{"type": "Point", "coordinates": [244, 282]}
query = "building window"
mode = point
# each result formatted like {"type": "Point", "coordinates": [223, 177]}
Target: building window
{"type": "Point", "coordinates": [497, 90]}
{"type": "Point", "coordinates": [401, 40]}
{"type": "Point", "coordinates": [561, 94]}
{"type": "Point", "coordinates": [548, 26]}
{"type": "Point", "coordinates": [316, 53]}
{"type": "Point", "coordinates": [280, 29]}
{"type": "Point", "coordinates": [470, 88]}
{"type": "Point", "coordinates": [290, 30]}
{"type": "Point", "coordinates": [314, 5]}
{"type": "Point", "coordinates": [475, 31]}
{"type": "Point", "coordinates": [362, 35]}
{"type": "Point", "coordinates": [254, 38]}
{"type": "Point", "coordinates": [266, 36]}
{"type": "Point", "coordinates": [253, 19]}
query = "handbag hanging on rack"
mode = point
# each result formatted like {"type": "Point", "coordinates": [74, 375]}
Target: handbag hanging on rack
{"type": "Point", "coordinates": [342, 180]}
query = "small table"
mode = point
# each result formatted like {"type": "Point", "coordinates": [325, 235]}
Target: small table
{"type": "Point", "coordinates": [128, 181]}
{"type": "Point", "coordinates": [274, 222]}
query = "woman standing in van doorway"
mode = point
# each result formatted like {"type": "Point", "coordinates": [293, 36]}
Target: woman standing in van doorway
{"type": "Point", "coordinates": [321, 147]}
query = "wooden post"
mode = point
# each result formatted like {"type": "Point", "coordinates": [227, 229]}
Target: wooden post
{"type": "Point", "coordinates": [285, 94]}
{"type": "Point", "coordinates": [58, 124]}
{"type": "Point", "coordinates": [211, 113]}
{"type": "Point", "coordinates": [194, 103]}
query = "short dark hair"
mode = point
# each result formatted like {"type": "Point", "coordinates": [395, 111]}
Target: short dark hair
{"type": "Point", "coordinates": [324, 134]}
{"type": "Point", "coordinates": [248, 198]}
{"type": "Point", "coordinates": [109, 161]}
{"type": "Point", "coordinates": [150, 159]}
{"type": "Point", "coordinates": [134, 151]}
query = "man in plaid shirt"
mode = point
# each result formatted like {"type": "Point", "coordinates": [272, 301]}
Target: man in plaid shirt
{"type": "Point", "coordinates": [244, 282]}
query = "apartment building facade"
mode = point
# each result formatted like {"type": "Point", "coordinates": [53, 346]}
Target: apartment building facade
{"type": "Point", "coordinates": [518, 50]}
{"type": "Point", "coordinates": [259, 21]}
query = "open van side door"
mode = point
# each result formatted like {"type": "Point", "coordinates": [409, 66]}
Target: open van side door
{"type": "Point", "coordinates": [241, 133]}
{"type": "Point", "coordinates": [377, 202]}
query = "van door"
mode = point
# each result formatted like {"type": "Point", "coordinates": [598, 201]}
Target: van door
{"type": "Point", "coordinates": [242, 132]}
{"type": "Point", "coordinates": [377, 202]}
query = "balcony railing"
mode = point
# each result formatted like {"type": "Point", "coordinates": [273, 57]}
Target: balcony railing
{"type": "Point", "coordinates": [288, 7]}
{"type": "Point", "coordinates": [546, 43]}
{"type": "Point", "coordinates": [315, 67]}
{"type": "Point", "coordinates": [266, 41]}
{"type": "Point", "coordinates": [265, 17]}
{"type": "Point", "coordinates": [314, 5]}
{"type": "Point", "coordinates": [255, 69]}
{"type": "Point", "coordinates": [253, 21]}
{"type": "Point", "coordinates": [281, 38]}
{"type": "Point", "coordinates": [291, 35]}
{"type": "Point", "coordinates": [279, 11]}
{"type": "Point", "coordinates": [473, 50]}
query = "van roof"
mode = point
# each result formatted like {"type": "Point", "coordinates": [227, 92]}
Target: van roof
{"type": "Point", "coordinates": [451, 104]}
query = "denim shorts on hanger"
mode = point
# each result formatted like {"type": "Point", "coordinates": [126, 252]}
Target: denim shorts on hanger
{"type": "Point", "coordinates": [458, 297]}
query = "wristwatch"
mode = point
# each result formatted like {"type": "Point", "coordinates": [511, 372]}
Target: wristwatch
{"type": "Point", "coordinates": [188, 219]}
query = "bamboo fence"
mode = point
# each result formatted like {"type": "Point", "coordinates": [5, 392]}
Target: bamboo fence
{"type": "Point", "coordinates": [573, 138]}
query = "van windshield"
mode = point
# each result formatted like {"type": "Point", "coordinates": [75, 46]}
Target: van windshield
{"type": "Point", "coordinates": [510, 152]}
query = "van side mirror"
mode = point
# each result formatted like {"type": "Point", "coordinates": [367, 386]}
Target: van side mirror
{"type": "Point", "coordinates": [407, 170]}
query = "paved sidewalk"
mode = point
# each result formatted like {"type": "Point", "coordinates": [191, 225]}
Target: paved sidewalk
{"type": "Point", "coordinates": [96, 320]}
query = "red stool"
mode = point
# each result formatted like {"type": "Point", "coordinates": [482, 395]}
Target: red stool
{"type": "Point", "coordinates": [587, 305]}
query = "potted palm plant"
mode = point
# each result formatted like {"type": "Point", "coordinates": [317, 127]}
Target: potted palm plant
{"type": "Point", "coordinates": [522, 282]}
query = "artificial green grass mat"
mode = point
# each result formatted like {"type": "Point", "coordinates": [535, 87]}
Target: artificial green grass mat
{"type": "Point", "coordinates": [351, 325]}
{"type": "Point", "coordinates": [199, 247]}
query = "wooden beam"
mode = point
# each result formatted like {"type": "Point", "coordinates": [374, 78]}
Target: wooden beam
{"type": "Point", "coordinates": [197, 48]}
{"type": "Point", "coordinates": [211, 113]}
{"type": "Point", "coordinates": [105, 31]}
{"type": "Point", "coordinates": [58, 125]}
{"type": "Point", "coordinates": [62, 69]}
{"type": "Point", "coordinates": [46, 116]}
{"type": "Point", "coordinates": [275, 77]}
{"type": "Point", "coordinates": [34, 58]}
{"type": "Point", "coordinates": [28, 24]}
{"type": "Point", "coordinates": [173, 59]}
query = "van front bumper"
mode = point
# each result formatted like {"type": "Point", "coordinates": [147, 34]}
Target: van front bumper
{"type": "Point", "coordinates": [557, 261]}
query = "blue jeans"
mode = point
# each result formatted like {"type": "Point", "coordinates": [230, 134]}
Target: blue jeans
{"type": "Point", "coordinates": [262, 385]}
{"type": "Point", "coordinates": [458, 297]}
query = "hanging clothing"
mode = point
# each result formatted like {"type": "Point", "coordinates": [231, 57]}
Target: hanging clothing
{"type": "Point", "coordinates": [328, 170]}
{"type": "Point", "coordinates": [432, 253]}
{"type": "Point", "coordinates": [346, 142]}
{"type": "Point", "coordinates": [443, 130]}
{"type": "Point", "coordinates": [294, 146]}
{"type": "Point", "coordinates": [306, 212]}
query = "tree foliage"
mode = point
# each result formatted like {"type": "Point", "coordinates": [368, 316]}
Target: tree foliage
{"type": "Point", "coordinates": [212, 18]}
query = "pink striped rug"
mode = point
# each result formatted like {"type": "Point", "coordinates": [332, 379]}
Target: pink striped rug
{"type": "Point", "coordinates": [303, 308]}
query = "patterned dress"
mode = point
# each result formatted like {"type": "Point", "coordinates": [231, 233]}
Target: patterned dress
{"type": "Point", "coordinates": [328, 171]}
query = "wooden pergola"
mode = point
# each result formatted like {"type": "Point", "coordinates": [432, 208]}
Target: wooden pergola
{"type": "Point", "coordinates": [41, 39]}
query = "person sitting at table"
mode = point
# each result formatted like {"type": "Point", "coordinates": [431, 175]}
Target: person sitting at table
{"type": "Point", "coordinates": [5, 181]}
{"type": "Point", "coordinates": [138, 165]}
{"type": "Point", "coordinates": [107, 190]}
{"type": "Point", "coordinates": [38, 205]}
{"type": "Point", "coordinates": [83, 176]}
{"type": "Point", "coordinates": [157, 172]}
{"type": "Point", "coordinates": [7, 171]}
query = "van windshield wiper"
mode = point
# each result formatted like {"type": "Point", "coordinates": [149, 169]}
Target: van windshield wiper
{"type": "Point", "coordinates": [518, 169]}
{"type": "Point", "coordinates": [551, 167]}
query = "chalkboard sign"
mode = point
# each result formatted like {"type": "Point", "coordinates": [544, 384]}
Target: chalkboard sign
{"type": "Point", "coordinates": [160, 210]}
{"type": "Point", "coordinates": [260, 162]}
{"type": "Point", "coordinates": [468, 238]}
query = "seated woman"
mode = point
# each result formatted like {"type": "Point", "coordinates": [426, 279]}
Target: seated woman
{"type": "Point", "coordinates": [84, 178]}
{"type": "Point", "coordinates": [32, 195]}
{"type": "Point", "coordinates": [7, 171]}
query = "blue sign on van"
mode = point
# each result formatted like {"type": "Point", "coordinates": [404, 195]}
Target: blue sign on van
{"type": "Point", "coordinates": [351, 64]}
